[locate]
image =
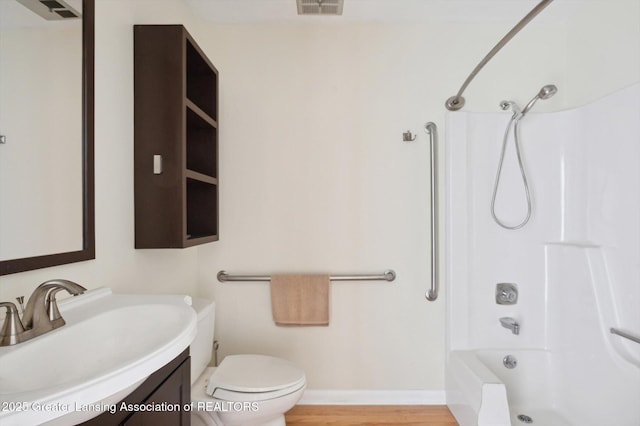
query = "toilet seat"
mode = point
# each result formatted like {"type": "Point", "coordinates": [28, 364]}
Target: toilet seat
{"type": "Point", "coordinates": [246, 378]}
{"type": "Point", "coordinates": [234, 396]}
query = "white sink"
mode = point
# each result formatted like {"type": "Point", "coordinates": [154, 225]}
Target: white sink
{"type": "Point", "coordinates": [109, 346]}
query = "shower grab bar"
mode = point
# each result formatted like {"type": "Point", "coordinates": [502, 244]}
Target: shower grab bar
{"type": "Point", "coordinates": [388, 275]}
{"type": "Point", "coordinates": [456, 102]}
{"type": "Point", "coordinates": [432, 129]}
{"type": "Point", "coordinates": [625, 335]}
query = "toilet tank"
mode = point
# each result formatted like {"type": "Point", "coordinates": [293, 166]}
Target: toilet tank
{"type": "Point", "coordinates": [202, 346]}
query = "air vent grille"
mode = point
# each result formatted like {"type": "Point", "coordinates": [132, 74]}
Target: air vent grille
{"type": "Point", "coordinates": [320, 7]}
{"type": "Point", "coordinates": [51, 10]}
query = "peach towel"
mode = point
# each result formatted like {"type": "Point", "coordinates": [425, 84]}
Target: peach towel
{"type": "Point", "coordinates": [300, 299]}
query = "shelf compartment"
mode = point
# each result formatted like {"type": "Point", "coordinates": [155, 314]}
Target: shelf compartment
{"type": "Point", "coordinates": [202, 200]}
{"type": "Point", "coordinates": [202, 80]}
{"type": "Point", "coordinates": [202, 145]}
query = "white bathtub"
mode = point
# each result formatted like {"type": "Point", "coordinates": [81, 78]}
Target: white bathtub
{"type": "Point", "coordinates": [481, 391]}
{"type": "Point", "coordinates": [486, 393]}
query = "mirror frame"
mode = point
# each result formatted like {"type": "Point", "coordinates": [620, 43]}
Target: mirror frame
{"type": "Point", "coordinates": [88, 195]}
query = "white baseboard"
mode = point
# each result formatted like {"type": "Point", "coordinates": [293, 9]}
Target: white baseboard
{"type": "Point", "coordinates": [372, 397]}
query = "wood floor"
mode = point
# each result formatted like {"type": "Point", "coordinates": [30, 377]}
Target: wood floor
{"type": "Point", "coordinates": [375, 415]}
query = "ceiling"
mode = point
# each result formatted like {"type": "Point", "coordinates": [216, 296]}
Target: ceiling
{"type": "Point", "coordinates": [12, 14]}
{"type": "Point", "coordinates": [253, 11]}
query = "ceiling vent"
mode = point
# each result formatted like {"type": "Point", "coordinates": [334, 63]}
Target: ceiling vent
{"type": "Point", "coordinates": [51, 10]}
{"type": "Point", "coordinates": [320, 7]}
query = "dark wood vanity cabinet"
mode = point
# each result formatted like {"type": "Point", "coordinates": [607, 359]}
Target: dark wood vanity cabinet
{"type": "Point", "coordinates": [176, 139]}
{"type": "Point", "coordinates": [168, 390]}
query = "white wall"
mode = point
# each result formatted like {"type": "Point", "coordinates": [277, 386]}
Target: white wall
{"type": "Point", "coordinates": [118, 264]}
{"type": "Point", "coordinates": [603, 49]}
{"type": "Point", "coordinates": [315, 177]}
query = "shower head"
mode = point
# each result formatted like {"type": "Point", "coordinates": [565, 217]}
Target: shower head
{"type": "Point", "coordinates": [545, 93]}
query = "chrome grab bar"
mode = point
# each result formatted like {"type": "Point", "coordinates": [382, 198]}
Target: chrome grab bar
{"type": "Point", "coordinates": [432, 129]}
{"type": "Point", "coordinates": [456, 102]}
{"type": "Point", "coordinates": [388, 275]}
{"type": "Point", "coordinates": [625, 335]}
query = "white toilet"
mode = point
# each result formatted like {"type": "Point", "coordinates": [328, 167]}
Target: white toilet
{"type": "Point", "coordinates": [244, 390]}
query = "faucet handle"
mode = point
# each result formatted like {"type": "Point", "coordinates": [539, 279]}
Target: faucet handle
{"type": "Point", "coordinates": [52, 308]}
{"type": "Point", "coordinates": [12, 329]}
{"type": "Point", "coordinates": [51, 303]}
{"type": "Point", "coordinates": [20, 300]}
{"type": "Point", "coordinates": [506, 294]}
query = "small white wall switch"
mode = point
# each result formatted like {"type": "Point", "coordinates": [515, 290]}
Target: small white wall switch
{"type": "Point", "coordinates": [157, 164]}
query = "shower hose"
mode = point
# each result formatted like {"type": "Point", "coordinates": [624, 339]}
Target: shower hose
{"type": "Point", "coordinates": [513, 122]}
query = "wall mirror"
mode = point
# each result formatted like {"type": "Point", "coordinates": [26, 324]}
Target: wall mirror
{"type": "Point", "coordinates": [46, 133]}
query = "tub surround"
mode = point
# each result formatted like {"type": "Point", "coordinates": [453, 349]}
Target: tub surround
{"type": "Point", "coordinates": [575, 265]}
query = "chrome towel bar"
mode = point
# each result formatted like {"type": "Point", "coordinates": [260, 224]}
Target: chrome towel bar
{"type": "Point", "coordinates": [625, 335]}
{"type": "Point", "coordinates": [388, 275]}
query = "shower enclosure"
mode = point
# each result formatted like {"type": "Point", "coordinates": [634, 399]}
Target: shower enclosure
{"type": "Point", "coordinates": [574, 267]}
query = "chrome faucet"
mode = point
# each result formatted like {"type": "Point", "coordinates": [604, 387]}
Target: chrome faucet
{"type": "Point", "coordinates": [40, 316]}
{"type": "Point", "coordinates": [511, 324]}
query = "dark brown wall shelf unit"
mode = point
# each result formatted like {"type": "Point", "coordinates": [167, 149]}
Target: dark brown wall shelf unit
{"type": "Point", "coordinates": [176, 139]}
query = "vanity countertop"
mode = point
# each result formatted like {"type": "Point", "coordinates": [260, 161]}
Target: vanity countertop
{"type": "Point", "coordinates": [110, 344]}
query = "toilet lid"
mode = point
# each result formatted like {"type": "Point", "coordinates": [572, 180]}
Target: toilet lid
{"type": "Point", "coordinates": [255, 373]}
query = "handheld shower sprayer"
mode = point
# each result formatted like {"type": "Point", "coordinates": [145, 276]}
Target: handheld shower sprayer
{"type": "Point", "coordinates": [545, 93]}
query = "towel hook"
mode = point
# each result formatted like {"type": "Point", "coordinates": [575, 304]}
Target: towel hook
{"type": "Point", "coordinates": [408, 136]}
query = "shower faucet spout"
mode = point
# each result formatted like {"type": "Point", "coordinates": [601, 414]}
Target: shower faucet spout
{"type": "Point", "coordinates": [511, 324]}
